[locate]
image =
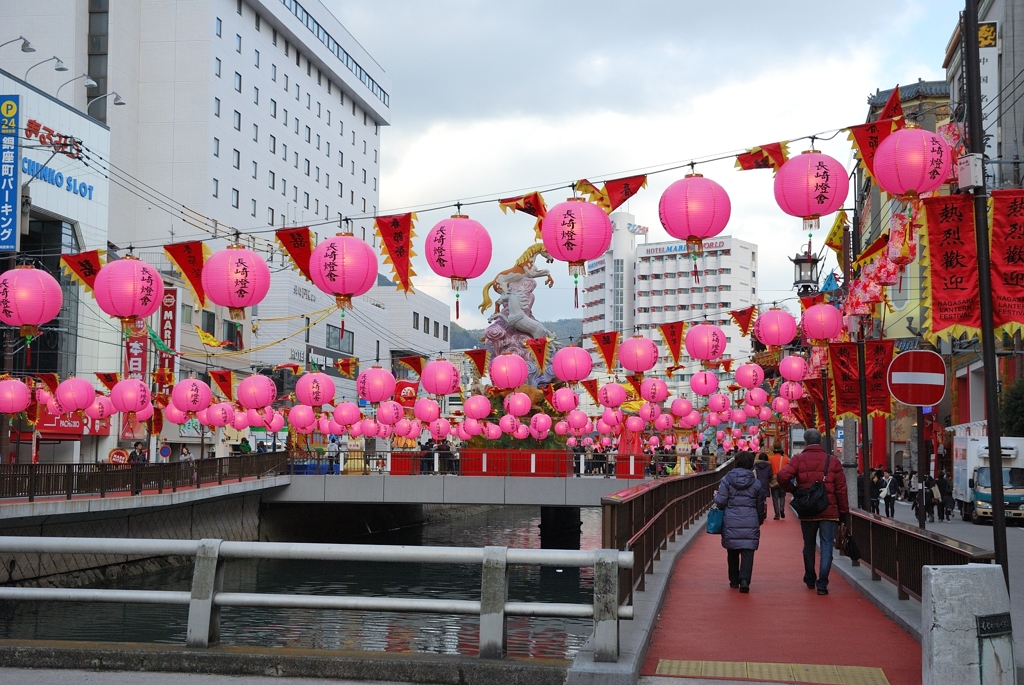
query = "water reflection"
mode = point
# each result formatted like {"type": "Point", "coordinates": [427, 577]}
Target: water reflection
{"type": "Point", "coordinates": [360, 631]}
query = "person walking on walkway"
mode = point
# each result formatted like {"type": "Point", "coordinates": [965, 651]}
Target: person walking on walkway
{"type": "Point", "coordinates": [742, 498]}
{"type": "Point", "coordinates": [765, 475]}
{"type": "Point", "coordinates": [777, 460]}
{"type": "Point", "coordinates": [806, 468]}
{"type": "Point", "coordinates": [875, 491]}
{"type": "Point", "coordinates": [888, 493]}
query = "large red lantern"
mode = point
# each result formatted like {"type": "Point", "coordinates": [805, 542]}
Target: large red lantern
{"type": "Point", "coordinates": [458, 248]}
{"type": "Point", "coordinates": [129, 289]}
{"type": "Point", "coordinates": [236, 278]}
{"type": "Point", "coordinates": [572, 364]}
{"type": "Point", "coordinates": [911, 162]}
{"type": "Point", "coordinates": [375, 384]}
{"type": "Point", "coordinates": [576, 231]}
{"type": "Point", "coordinates": [440, 377]}
{"type": "Point", "coordinates": [508, 371]}
{"type": "Point", "coordinates": [694, 208]}
{"type": "Point", "coordinates": [775, 328]}
{"type": "Point", "coordinates": [810, 186]}
{"type": "Point", "coordinates": [705, 342]}
{"type": "Point", "coordinates": [343, 266]}
{"type": "Point", "coordinates": [315, 389]}
{"type": "Point", "coordinates": [638, 354]}
{"type": "Point", "coordinates": [29, 298]}
{"type": "Point", "coordinates": [822, 322]}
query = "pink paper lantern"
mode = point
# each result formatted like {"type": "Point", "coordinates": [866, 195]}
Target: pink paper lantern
{"type": "Point", "coordinates": [369, 428]}
{"type": "Point", "coordinates": [144, 414]}
{"type": "Point", "coordinates": [383, 431]}
{"type": "Point", "coordinates": [15, 397]}
{"type": "Point", "coordinates": [705, 342]}
{"type": "Point", "coordinates": [508, 423]}
{"type": "Point", "coordinates": [221, 414]}
{"type": "Point", "coordinates": [741, 444]}
{"type": "Point", "coordinates": [611, 395]}
{"type": "Point", "coordinates": [171, 413]}
{"type": "Point", "coordinates": [402, 428]}
{"type": "Point", "coordinates": [750, 410]}
{"type": "Point", "coordinates": [694, 417]}
{"type": "Point", "coordinates": [460, 431]}
{"type": "Point", "coordinates": [29, 297]}
{"type": "Point", "coordinates": [669, 440]}
{"type": "Point", "coordinates": [492, 431]}
{"type": "Point", "coordinates": [375, 384]}
{"type": "Point", "coordinates": [323, 424]}
{"type": "Point", "coordinates": [725, 415]}
{"type": "Point", "coordinates": [426, 410]}
{"type": "Point", "coordinates": [577, 419]}
{"type": "Point", "coordinates": [635, 424]}
{"type": "Point", "coordinates": [791, 390]}
{"type": "Point", "coordinates": [347, 413]}
{"type": "Point", "coordinates": [517, 404]}
{"type": "Point", "coordinates": [239, 422]}
{"type": "Point", "coordinates": [663, 422]}
{"type": "Point", "coordinates": [704, 382]}
{"type": "Point", "coordinates": [236, 278]}
{"type": "Point", "coordinates": [315, 389]}
{"type": "Point", "coordinates": [477, 407]}
{"type": "Point", "coordinates": [753, 430]}
{"type": "Point", "coordinates": [356, 430]}
{"type": "Point", "coordinates": [43, 395]}
{"type": "Point", "coordinates": [570, 442]}
{"type": "Point", "coordinates": [605, 442]}
{"type": "Point", "coordinates": [822, 322]}
{"type": "Point", "coordinates": [612, 417]}
{"type": "Point", "coordinates": [458, 248]}
{"type": "Point", "coordinates": [565, 399]}
{"type": "Point", "coordinates": [638, 354]}
{"type": "Point", "coordinates": [757, 397]}
{"type": "Point", "coordinates": [694, 208]}
{"type": "Point", "coordinates": [440, 377]}
{"type": "Point", "coordinates": [911, 162]}
{"type": "Point", "coordinates": [101, 408]}
{"type": "Point", "coordinates": [737, 432]}
{"type": "Point", "coordinates": [720, 436]}
{"type": "Point", "coordinates": [128, 289]}
{"type": "Point", "coordinates": [681, 407]}
{"type": "Point", "coordinates": [810, 186]}
{"type": "Point", "coordinates": [775, 328]}
{"type": "Point", "coordinates": [794, 368]}
{"type": "Point", "coordinates": [576, 231]}
{"type": "Point", "coordinates": [654, 441]}
{"type": "Point", "coordinates": [727, 445]}
{"type": "Point", "coordinates": [130, 395]}
{"type": "Point", "coordinates": [603, 427]}
{"type": "Point", "coordinates": [302, 416]}
{"type": "Point", "coordinates": [508, 371]}
{"type": "Point", "coordinates": [653, 390]}
{"type": "Point", "coordinates": [192, 395]}
{"type": "Point", "coordinates": [389, 413]}
{"type": "Point", "coordinates": [521, 432]}
{"type": "Point", "coordinates": [75, 394]}
{"type": "Point", "coordinates": [343, 266]}
{"type": "Point", "coordinates": [561, 427]}
{"type": "Point", "coordinates": [749, 376]}
{"type": "Point", "coordinates": [780, 405]}
{"type": "Point", "coordinates": [649, 411]}
{"type": "Point", "coordinates": [276, 422]}
{"type": "Point", "coordinates": [473, 427]}
{"type": "Point", "coordinates": [739, 416]}
{"type": "Point", "coordinates": [257, 418]}
{"type": "Point", "coordinates": [256, 391]}
{"type": "Point", "coordinates": [540, 422]}
{"type": "Point", "coordinates": [572, 364]}
{"type": "Point", "coordinates": [718, 402]}
{"type": "Point", "coordinates": [713, 420]}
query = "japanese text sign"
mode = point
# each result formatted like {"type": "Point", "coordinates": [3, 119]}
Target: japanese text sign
{"type": "Point", "coordinates": [10, 188]}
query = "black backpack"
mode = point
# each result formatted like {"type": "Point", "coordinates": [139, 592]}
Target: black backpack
{"type": "Point", "coordinates": [808, 502]}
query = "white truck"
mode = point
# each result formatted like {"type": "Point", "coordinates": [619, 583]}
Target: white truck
{"type": "Point", "coordinates": [972, 481]}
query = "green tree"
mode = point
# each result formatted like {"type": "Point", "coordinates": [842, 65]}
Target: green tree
{"type": "Point", "coordinates": [1011, 415]}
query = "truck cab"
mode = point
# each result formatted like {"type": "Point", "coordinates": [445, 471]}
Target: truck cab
{"type": "Point", "coordinates": [972, 478]}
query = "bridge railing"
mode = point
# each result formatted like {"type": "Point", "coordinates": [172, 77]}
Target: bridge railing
{"type": "Point", "coordinates": [646, 517]}
{"type": "Point", "coordinates": [29, 481]}
{"type": "Point", "coordinates": [897, 551]}
{"type": "Point", "coordinates": [207, 597]}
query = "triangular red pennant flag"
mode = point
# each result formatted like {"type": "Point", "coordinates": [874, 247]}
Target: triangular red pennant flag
{"type": "Point", "coordinates": [396, 234]}
{"type": "Point", "coordinates": [549, 394]}
{"type": "Point", "coordinates": [83, 267]}
{"type": "Point", "coordinates": [50, 380]}
{"type": "Point", "coordinates": [479, 359]}
{"type": "Point", "coordinates": [290, 366]}
{"type": "Point", "coordinates": [769, 156]}
{"type": "Point", "coordinates": [225, 381]}
{"type": "Point", "coordinates": [893, 108]}
{"type": "Point", "coordinates": [347, 366]}
{"type": "Point", "coordinates": [297, 243]}
{"type": "Point", "coordinates": [414, 364]}
{"type": "Point", "coordinates": [531, 203]}
{"type": "Point", "coordinates": [744, 318]}
{"type": "Point", "coordinates": [539, 348]}
{"type": "Point", "coordinates": [727, 365]}
{"type": "Point", "coordinates": [811, 300]}
{"type": "Point", "coordinates": [590, 385]}
{"type": "Point", "coordinates": [672, 333]}
{"type": "Point", "coordinates": [607, 343]}
{"type": "Point", "coordinates": [635, 379]}
{"type": "Point", "coordinates": [189, 258]}
{"type": "Point", "coordinates": [618, 190]}
{"type": "Point", "coordinates": [108, 379]}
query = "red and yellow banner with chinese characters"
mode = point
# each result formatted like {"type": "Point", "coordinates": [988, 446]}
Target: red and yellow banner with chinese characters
{"type": "Point", "coordinates": [950, 292]}
{"type": "Point", "coordinates": [297, 243]}
{"type": "Point", "coordinates": [479, 359]}
{"type": "Point", "coordinates": [396, 234]}
{"type": "Point", "coordinates": [83, 267]}
{"type": "Point", "coordinates": [672, 333]}
{"type": "Point", "coordinates": [1007, 231]}
{"type": "Point", "coordinates": [225, 382]}
{"type": "Point", "coordinates": [189, 258]}
{"type": "Point", "coordinates": [844, 383]}
{"type": "Point", "coordinates": [607, 343]}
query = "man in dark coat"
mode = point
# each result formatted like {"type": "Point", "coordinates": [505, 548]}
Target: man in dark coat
{"type": "Point", "coordinates": [742, 498]}
{"type": "Point", "coordinates": [802, 470]}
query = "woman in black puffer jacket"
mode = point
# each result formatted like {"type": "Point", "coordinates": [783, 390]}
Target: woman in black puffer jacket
{"type": "Point", "coordinates": [742, 498]}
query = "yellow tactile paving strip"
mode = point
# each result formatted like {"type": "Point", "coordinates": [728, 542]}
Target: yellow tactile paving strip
{"type": "Point", "coordinates": [785, 673]}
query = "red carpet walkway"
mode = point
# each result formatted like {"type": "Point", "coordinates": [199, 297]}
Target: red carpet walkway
{"type": "Point", "coordinates": [780, 621]}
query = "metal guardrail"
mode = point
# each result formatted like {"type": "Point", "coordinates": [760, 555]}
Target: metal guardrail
{"type": "Point", "coordinates": [645, 518]}
{"type": "Point", "coordinates": [207, 596]}
{"type": "Point", "coordinates": [28, 481]}
{"type": "Point", "coordinates": [897, 551]}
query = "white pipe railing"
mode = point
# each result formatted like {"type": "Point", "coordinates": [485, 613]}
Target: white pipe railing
{"type": "Point", "coordinates": [207, 595]}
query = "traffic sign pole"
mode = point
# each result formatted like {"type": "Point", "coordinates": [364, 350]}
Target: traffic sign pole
{"type": "Point", "coordinates": [922, 468]}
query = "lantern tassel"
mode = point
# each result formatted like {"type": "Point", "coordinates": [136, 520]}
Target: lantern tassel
{"type": "Point", "coordinates": [28, 351]}
{"type": "Point", "coordinates": [456, 307]}
{"type": "Point", "coordinates": [576, 296]}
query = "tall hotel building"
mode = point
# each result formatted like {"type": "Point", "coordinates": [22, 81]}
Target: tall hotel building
{"type": "Point", "coordinates": [634, 288]}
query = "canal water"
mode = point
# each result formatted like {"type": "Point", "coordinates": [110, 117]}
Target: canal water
{"type": "Point", "coordinates": [348, 630]}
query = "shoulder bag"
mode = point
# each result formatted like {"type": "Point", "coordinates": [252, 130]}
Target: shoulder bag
{"type": "Point", "coordinates": [715, 519]}
{"type": "Point", "coordinates": [808, 502]}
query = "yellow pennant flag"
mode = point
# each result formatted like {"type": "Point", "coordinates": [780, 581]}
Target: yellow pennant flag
{"type": "Point", "coordinates": [208, 339]}
{"type": "Point", "coordinates": [834, 240]}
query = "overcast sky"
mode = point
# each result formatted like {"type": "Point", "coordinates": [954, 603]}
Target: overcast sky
{"type": "Point", "coordinates": [491, 98]}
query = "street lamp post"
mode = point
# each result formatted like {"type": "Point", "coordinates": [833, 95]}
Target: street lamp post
{"type": "Point", "coordinates": [25, 45]}
{"type": "Point", "coordinates": [89, 83]}
{"type": "Point", "coordinates": [58, 67]}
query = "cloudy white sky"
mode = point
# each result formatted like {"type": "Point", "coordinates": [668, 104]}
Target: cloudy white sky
{"type": "Point", "coordinates": [489, 99]}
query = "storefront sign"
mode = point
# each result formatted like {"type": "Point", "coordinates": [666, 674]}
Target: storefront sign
{"type": "Point", "coordinates": [136, 351]}
{"type": "Point", "coordinates": [10, 186]}
{"type": "Point", "coordinates": [168, 333]}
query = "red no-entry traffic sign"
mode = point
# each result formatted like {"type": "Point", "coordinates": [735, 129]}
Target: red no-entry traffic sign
{"type": "Point", "coordinates": [917, 378]}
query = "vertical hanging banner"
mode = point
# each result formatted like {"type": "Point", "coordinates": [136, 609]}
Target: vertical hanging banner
{"type": "Point", "coordinates": [136, 350]}
{"type": "Point", "coordinates": [866, 138]}
{"type": "Point", "coordinates": [83, 267]}
{"type": "Point", "coordinates": [10, 185]}
{"type": "Point", "coordinates": [396, 234]}
{"type": "Point", "coordinates": [878, 355]}
{"type": "Point", "coordinates": [539, 349]}
{"type": "Point", "coordinates": [1007, 233]}
{"type": "Point", "coordinates": [169, 335]}
{"type": "Point", "coordinates": [950, 259]}
{"type": "Point", "coordinates": [479, 359]}
{"type": "Point", "coordinates": [607, 343]}
{"type": "Point", "coordinates": [531, 203]}
{"type": "Point", "coordinates": [672, 333]}
{"type": "Point", "coordinates": [844, 378]}
{"type": "Point", "coordinates": [297, 243]}
{"type": "Point", "coordinates": [189, 258]}
{"type": "Point", "coordinates": [224, 379]}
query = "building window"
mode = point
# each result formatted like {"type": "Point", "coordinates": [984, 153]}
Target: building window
{"type": "Point", "coordinates": [364, 204]}
{"type": "Point", "coordinates": [216, 67]}
{"type": "Point", "coordinates": [296, 85]}
{"type": "Point", "coordinates": [238, 9]}
{"type": "Point", "coordinates": [416, 320]}
{"type": "Point", "coordinates": [254, 169]}
{"type": "Point", "coordinates": [270, 216]}
{"type": "Point", "coordinates": [218, 25]}
{"type": "Point", "coordinates": [341, 190]}
{"type": "Point", "coordinates": [273, 145]}
{"type": "Point", "coordinates": [255, 96]}
{"type": "Point", "coordinates": [273, 73]}
{"type": "Point", "coordinates": [272, 180]}
{"type": "Point", "coordinates": [257, 23]}
{"type": "Point", "coordinates": [295, 160]}
{"type": "Point", "coordinates": [256, 133]}
{"type": "Point", "coordinates": [216, 187]}
{"type": "Point", "coordinates": [209, 322]}
{"type": "Point", "coordinates": [273, 108]}
{"type": "Point", "coordinates": [339, 343]}
{"type": "Point", "coordinates": [306, 166]}
{"type": "Point", "coordinates": [256, 58]}
{"type": "Point", "coordinates": [253, 211]}
{"type": "Point", "coordinates": [437, 329]}
{"type": "Point", "coordinates": [186, 314]}
{"type": "Point", "coordinates": [216, 107]}
{"type": "Point", "coordinates": [305, 197]}
{"type": "Point", "coordinates": [444, 334]}
{"type": "Point", "coordinates": [286, 83]}
{"type": "Point", "coordinates": [426, 325]}
{"type": "Point", "coordinates": [296, 126]}
{"type": "Point", "coordinates": [364, 175]}
{"type": "Point", "coordinates": [317, 174]}
{"type": "Point", "coordinates": [375, 183]}
{"type": "Point", "coordinates": [238, 82]}
{"type": "Point", "coordinates": [341, 158]}
{"type": "Point", "coordinates": [318, 141]}
{"type": "Point", "coordinates": [236, 159]}
{"type": "Point", "coordinates": [307, 134]}
{"type": "Point", "coordinates": [238, 44]}
{"type": "Point", "coordinates": [238, 120]}
{"type": "Point", "coordinates": [216, 147]}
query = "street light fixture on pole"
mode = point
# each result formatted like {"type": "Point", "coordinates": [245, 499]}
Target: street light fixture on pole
{"type": "Point", "coordinates": [58, 67]}
{"type": "Point", "coordinates": [89, 83]}
{"type": "Point", "coordinates": [117, 100]}
{"type": "Point", "coordinates": [25, 45]}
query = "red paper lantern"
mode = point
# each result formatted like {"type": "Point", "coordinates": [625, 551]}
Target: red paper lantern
{"type": "Point", "coordinates": [694, 208]}
{"type": "Point", "coordinates": [810, 186]}
{"type": "Point", "coordinates": [29, 297]}
{"type": "Point", "coordinates": [508, 371]}
{"type": "Point", "coordinates": [705, 342]}
{"type": "Point", "coordinates": [343, 266]}
{"type": "Point", "coordinates": [256, 391]}
{"type": "Point", "coordinates": [440, 377]}
{"type": "Point", "coordinates": [191, 395]}
{"type": "Point", "coordinates": [576, 231]}
{"type": "Point", "coordinates": [775, 328]}
{"type": "Point", "coordinates": [572, 364]}
{"type": "Point", "coordinates": [637, 354]}
{"type": "Point", "coordinates": [375, 384]}
{"type": "Point", "coordinates": [822, 322]}
{"type": "Point", "coordinates": [129, 289]}
{"type": "Point", "coordinates": [911, 162]}
{"type": "Point", "coordinates": [749, 376]}
{"type": "Point", "coordinates": [236, 278]}
{"type": "Point", "coordinates": [15, 397]}
{"type": "Point", "coordinates": [315, 389]}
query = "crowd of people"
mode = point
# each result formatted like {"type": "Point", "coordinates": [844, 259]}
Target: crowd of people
{"type": "Point", "coordinates": [886, 488]}
{"type": "Point", "coordinates": [441, 452]}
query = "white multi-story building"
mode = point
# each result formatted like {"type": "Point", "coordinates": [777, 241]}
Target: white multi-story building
{"type": "Point", "coordinates": [633, 289]}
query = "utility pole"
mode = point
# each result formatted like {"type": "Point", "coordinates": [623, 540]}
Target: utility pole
{"type": "Point", "coordinates": [976, 139]}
